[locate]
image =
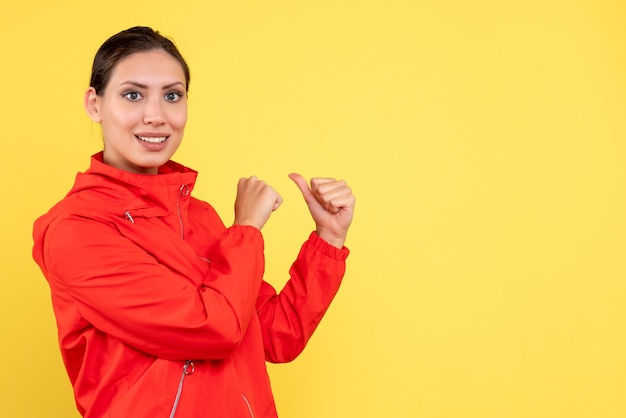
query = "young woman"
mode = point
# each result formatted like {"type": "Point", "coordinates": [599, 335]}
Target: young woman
{"type": "Point", "coordinates": [162, 311]}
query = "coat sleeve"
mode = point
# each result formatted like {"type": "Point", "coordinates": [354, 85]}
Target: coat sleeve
{"type": "Point", "coordinates": [288, 319]}
{"type": "Point", "coordinates": [121, 290]}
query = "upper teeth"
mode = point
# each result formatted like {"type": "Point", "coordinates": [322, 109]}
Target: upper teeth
{"type": "Point", "coordinates": [153, 139]}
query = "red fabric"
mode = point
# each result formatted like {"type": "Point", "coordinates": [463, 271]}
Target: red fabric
{"type": "Point", "coordinates": [144, 277]}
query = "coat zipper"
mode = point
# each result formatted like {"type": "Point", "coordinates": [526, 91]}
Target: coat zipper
{"type": "Point", "coordinates": [183, 191]}
{"type": "Point", "coordinates": [248, 405]}
{"type": "Point", "coordinates": [188, 368]}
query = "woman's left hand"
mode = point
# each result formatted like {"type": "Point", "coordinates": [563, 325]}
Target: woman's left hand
{"type": "Point", "coordinates": [331, 204]}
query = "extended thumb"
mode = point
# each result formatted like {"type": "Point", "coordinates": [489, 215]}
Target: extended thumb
{"type": "Point", "coordinates": [302, 184]}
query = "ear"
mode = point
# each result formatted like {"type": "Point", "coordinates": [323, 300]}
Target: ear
{"type": "Point", "coordinates": [92, 105]}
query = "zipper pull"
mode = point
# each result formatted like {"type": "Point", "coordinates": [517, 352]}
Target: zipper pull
{"type": "Point", "coordinates": [189, 368]}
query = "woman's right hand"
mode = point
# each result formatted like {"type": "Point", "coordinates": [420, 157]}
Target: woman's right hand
{"type": "Point", "coordinates": [255, 202]}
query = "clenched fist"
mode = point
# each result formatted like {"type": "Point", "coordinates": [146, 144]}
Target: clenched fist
{"type": "Point", "coordinates": [255, 202]}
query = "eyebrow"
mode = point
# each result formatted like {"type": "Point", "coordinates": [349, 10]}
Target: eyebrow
{"type": "Point", "coordinates": [143, 86]}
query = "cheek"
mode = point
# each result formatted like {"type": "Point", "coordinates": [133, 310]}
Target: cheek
{"type": "Point", "coordinates": [178, 120]}
{"type": "Point", "coordinates": [123, 119]}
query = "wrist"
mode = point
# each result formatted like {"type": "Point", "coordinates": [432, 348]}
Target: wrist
{"type": "Point", "coordinates": [336, 240]}
{"type": "Point", "coordinates": [248, 222]}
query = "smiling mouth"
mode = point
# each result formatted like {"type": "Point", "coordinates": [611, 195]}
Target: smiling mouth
{"type": "Point", "coordinates": [152, 139]}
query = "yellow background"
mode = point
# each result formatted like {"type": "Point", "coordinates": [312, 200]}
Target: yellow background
{"type": "Point", "coordinates": [485, 141]}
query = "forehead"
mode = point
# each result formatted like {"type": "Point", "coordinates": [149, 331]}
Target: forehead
{"type": "Point", "coordinates": [148, 67]}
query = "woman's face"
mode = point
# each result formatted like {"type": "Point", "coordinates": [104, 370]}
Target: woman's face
{"type": "Point", "coordinates": [143, 111]}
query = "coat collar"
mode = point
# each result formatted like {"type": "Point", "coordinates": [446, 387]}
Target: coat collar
{"type": "Point", "coordinates": [143, 194]}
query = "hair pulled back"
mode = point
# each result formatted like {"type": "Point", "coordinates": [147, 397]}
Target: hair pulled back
{"type": "Point", "coordinates": [125, 43]}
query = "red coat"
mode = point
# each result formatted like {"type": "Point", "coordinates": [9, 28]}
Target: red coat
{"type": "Point", "coordinates": [147, 281]}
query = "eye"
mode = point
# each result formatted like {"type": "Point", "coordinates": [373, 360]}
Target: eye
{"type": "Point", "coordinates": [133, 96]}
{"type": "Point", "coordinates": [173, 96]}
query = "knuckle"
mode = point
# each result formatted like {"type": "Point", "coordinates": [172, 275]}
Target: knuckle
{"type": "Point", "coordinates": [325, 199]}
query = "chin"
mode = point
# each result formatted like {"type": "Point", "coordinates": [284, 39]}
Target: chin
{"type": "Point", "coordinates": [150, 165]}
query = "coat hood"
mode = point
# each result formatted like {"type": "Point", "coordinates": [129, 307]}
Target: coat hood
{"type": "Point", "coordinates": [146, 195]}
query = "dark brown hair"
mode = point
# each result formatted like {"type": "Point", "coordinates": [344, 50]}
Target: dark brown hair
{"type": "Point", "coordinates": [125, 43]}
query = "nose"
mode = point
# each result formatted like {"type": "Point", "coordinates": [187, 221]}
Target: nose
{"type": "Point", "coordinates": [153, 112]}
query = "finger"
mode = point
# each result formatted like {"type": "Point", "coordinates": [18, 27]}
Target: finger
{"type": "Point", "coordinates": [337, 203]}
{"type": "Point", "coordinates": [278, 202]}
{"type": "Point", "coordinates": [342, 202]}
{"type": "Point", "coordinates": [324, 182]}
{"type": "Point", "coordinates": [333, 195]}
{"type": "Point", "coordinates": [302, 185]}
{"type": "Point", "coordinates": [321, 186]}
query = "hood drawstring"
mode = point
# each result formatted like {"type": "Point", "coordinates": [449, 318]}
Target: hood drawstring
{"type": "Point", "coordinates": [128, 217]}
{"type": "Point", "coordinates": [183, 192]}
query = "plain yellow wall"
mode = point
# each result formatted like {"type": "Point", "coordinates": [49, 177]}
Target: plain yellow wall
{"type": "Point", "coordinates": [485, 141]}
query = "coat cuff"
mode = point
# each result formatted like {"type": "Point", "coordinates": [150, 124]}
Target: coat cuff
{"type": "Point", "coordinates": [327, 249]}
{"type": "Point", "coordinates": [246, 231]}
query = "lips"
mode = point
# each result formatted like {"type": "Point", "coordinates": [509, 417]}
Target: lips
{"type": "Point", "coordinates": [152, 139]}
